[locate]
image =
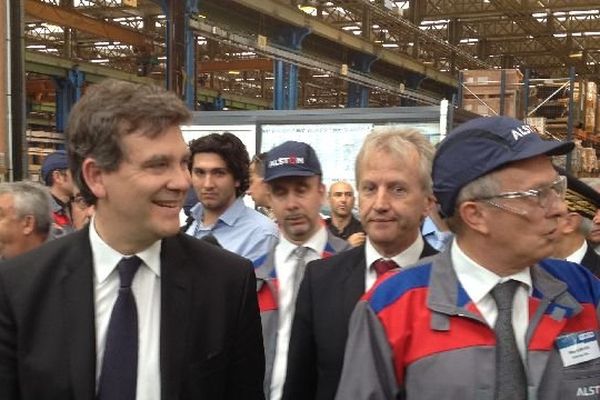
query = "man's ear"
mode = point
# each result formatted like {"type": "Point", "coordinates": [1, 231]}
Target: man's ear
{"type": "Point", "coordinates": [475, 216]}
{"type": "Point", "coordinates": [56, 176]}
{"type": "Point", "coordinates": [323, 192]}
{"type": "Point", "coordinates": [572, 222]}
{"type": "Point", "coordinates": [93, 176]}
{"type": "Point", "coordinates": [429, 204]}
{"type": "Point", "coordinates": [28, 224]}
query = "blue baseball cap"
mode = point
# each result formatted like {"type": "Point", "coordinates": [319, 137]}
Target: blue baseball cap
{"type": "Point", "coordinates": [291, 159]}
{"type": "Point", "coordinates": [54, 161]}
{"type": "Point", "coordinates": [481, 146]}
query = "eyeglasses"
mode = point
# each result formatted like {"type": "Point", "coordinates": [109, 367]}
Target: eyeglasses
{"type": "Point", "coordinates": [544, 196]}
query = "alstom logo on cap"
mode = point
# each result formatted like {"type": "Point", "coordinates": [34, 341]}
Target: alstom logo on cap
{"type": "Point", "coordinates": [291, 160]}
{"type": "Point", "coordinates": [521, 131]}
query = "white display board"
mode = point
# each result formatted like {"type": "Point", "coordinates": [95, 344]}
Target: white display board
{"type": "Point", "coordinates": [336, 144]}
{"type": "Point", "coordinates": [246, 133]}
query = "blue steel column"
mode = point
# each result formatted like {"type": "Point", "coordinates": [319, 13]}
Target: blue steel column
{"type": "Point", "coordinates": [279, 85]}
{"type": "Point", "coordinates": [285, 96]}
{"type": "Point", "coordinates": [358, 95]}
{"type": "Point", "coordinates": [570, 117]}
{"type": "Point", "coordinates": [68, 92]}
{"type": "Point", "coordinates": [191, 8]}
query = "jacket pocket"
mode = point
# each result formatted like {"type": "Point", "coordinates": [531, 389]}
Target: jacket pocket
{"type": "Point", "coordinates": [581, 381]}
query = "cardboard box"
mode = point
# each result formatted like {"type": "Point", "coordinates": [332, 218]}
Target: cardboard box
{"type": "Point", "coordinates": [490, 105]}
{"type": "Point", "coordinates": [488, 81]}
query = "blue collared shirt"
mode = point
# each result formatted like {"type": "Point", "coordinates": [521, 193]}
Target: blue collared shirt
{"type": "Point", "coordinates": [239, 229]}
{"type": "Point", "coordinates": [436, 239]}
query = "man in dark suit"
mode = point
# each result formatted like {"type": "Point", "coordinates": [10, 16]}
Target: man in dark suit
{"type": "Point", "coordinates": [393, 171]}
{"type": "Point", "coordinates": [128, 308]}
{"type": "Point", "coordinates": [582, 204]}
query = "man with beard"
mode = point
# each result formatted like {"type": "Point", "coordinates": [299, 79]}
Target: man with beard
{"type": "Point", "coordinates": [293, 173]}
{"type": "Point", "coordinates": [56, 175]}
{"type": "Point", "coordinates": [220, 177]}
{"type": "Point", "coordinates": [342, 223]}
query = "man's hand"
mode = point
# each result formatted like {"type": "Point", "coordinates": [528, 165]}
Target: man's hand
{"type": "Point", "coordinates": [356, 239]}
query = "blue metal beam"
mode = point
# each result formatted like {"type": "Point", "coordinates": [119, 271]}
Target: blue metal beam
{"type": "Point", "coordinates": [285, 96]}
{"type": "Point", "coordinates": [358, 95]}
{"type": "Point", "coordinates": [191, 9]}
{"type": "Point", "coordinates": [413, 82]}
{"type": "Point", "coordinates": [68, 92]}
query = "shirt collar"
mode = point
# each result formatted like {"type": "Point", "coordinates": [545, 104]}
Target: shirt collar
{"type": "Point", "coordinates": [428, 226]}
{"type": "Point", "coordinates": [409, 256]}
{"type": "Point", "coordinates": [477, 280]}
{"type": "Point", "coordinates": [228, 217]}
{"type": "Point", "coordinates": [316, 243]}
{"type": "Point", "coordinates": [578, 254]}
{"type": "Point", "coordinates": [106, 258]}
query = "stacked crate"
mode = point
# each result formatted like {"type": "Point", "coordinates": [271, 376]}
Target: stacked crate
{"type": "Point", "coordinates": [40, 144]}
{"type": "Point", "coordinates": [590, 106]}
{"type": "Point", "coordinates": [482, 92]}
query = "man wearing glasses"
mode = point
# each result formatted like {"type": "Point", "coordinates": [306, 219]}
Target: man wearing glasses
{"type": "Point", "coordinates": [491, 317]}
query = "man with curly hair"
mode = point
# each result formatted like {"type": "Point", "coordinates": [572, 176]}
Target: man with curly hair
{"type": "Point", "coordinates": [219, 168]}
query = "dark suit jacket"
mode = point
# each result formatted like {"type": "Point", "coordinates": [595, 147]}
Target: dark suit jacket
{"type": "Point", "coordinates": [591, 260]}
{"type": "Point", "coordinates": [210, 335]}
{"type": "Point", "coordinates": [327, 296]}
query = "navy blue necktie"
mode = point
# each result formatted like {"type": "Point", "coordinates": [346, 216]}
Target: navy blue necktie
{"type": "Point", "coordinates": [118, 378]}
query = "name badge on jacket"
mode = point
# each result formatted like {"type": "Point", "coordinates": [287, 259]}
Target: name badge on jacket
{"type": "Point", "coordinates": [576, 348]}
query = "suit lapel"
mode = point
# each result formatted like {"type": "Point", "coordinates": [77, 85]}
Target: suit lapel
{"type": "Point", "coordinates": [353, 277]}
{"type": "Point", "coordinates": [78, 318]}
{"type": "Point", "coordinates": [427, 250]}
{"type": "Point", "coordinates": [591, 260]}
{"type": "Point", "coordinates": [175, 306]}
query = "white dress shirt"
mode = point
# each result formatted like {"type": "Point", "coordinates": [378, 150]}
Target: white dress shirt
{"type": "Point", "coordinates": [578, 254]}
{"type": "Point", "coordinates": [409, 256]}
{"type": "Point", "coordinates": [285, 264]}
{"type": "Point", "coordinates": [146, 290]}
{"type": "Point", "coordinates": [478, 283]}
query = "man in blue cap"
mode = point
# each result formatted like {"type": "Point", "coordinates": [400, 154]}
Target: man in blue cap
{"type": "Point", "coordinates": [293, 173]}
{"type": "Point", "coordinates": [56, 175]}
{"type": "Point", "coordinates": [491, 317]}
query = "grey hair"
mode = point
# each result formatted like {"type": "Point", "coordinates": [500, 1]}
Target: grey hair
{"type": "Point", "coordinates": [585, 227]}
{"type": "Point", "coordinates": [30, 198]}
{"type": "Point", "coordinates": [484, 186]}
{"type": "Point", "coordinates": [397, 142]}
